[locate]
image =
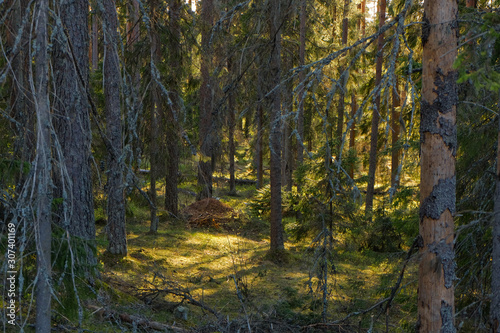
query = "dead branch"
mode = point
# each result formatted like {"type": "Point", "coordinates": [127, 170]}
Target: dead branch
{"type": "Point", "coordinates": [176, 290]}
{"type": "Point", "coordinates": [131, 319]}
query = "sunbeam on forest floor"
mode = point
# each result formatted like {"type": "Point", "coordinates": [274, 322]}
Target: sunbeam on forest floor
{"type": "Point", "coordinates": [214, 275]}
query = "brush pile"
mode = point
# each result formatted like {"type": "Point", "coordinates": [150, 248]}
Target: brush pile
{"type": "Point", "coordinates": [208, 212]}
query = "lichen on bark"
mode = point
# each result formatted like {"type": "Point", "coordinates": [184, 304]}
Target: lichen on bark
{"type": "Point", "coordinates": [441, 198]}
{"type": "Point", "coordinates": [447, 318]}
{"type": "Point", "coordinates": [444, 252]}
{"type": "Point", "coordinates": [426, 29]}
{"type": "Point", "coordinates": [447, 98]}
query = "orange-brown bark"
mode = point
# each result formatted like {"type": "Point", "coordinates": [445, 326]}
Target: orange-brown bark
{"type": "Point", "coordinates": [438, 150]}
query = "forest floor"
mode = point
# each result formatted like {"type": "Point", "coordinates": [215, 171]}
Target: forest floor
{"type": "Point", "coordinates": [210, 272]}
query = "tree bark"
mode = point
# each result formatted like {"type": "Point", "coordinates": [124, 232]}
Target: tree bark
{"type": "Point", "coordinates": [260, 127]}
{"type": "Point", "coordinates": [156, 120]}
{"type": "Point", "coordinates": [495, 264]}
{"type": "Point", "coordinates": [231, 127]}
{"type": "Point", "coordinates": [43, 223]}
{"type": "Point", "coordinates": [72, 124]}
{"type": "Point", "coordinates": [173, 131]}
{"type": "Point", "coordinates": [301, 90]}
{"type": "Point", "coordinates": [20, 103]}
{"type": "Point", "coordinates": [438, 154]}
{"type": "Point", "coordinates": [340, 119]}
{"type": "Point", "coordinates": [117, 236]}
{"type": "Point", "coordinates": [396, 102]}
{"type": "Point", "coordinates": [287, 160]}
{"type": "Point", "coordinates": [352, 136]}
{"type": "Point", "coordinates": [206, 103]}
{"type": "Point", "coordinates": [94, 48]}
{"type": "Point", "coordinates": [376, 116]}
{"type": "Point", "coordinates": [277, 242]}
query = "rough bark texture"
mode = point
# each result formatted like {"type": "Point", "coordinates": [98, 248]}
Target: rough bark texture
{"type": "Point", "coordinates": [260, 129]}
{"type": "Point", "coordinates": [438, 149]}
{"type": "Point", "coordinates": [21, 104]}
{"type": "Point", "coordinates": [287, 160]}
{"type": "Point", "coordinates": [206, 103]}
{"type": "Point", "coordinates": [231, 128]}
{"type": "Point", "coordinates": [94, 47]}
{"type": "Point", "coordinates": [174, 109]}
{"type": "Point", "coordinates": [301, 90]}
{"type": "Point", "coordinates": [341, 109]}
{"type": "Point", "coordinates": [72, 123]}
{"type": "Point", "coordinates": [495, 264]}
{"type": "Point", "coordinates": [133, 32]}
{"type": "Point", "coordinates": [395, 135]}
{"type": "Point", "coordinates": [43, 223]}
{"type": "Point", "coordinates": [117, 236]}
{"type": "Point", "coordinates": [153, 158]}
{"type": "Point", "coordinates": [352, 136]}
{"type": "Point", "coordinates": [376, 116]}
{"type": "Point", "coordinates": [156, 112]}
{"type": "Point", "coordinates": [277, 242]}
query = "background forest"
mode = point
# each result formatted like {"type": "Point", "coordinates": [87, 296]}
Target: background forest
{"type": "Point", "coordinates": [255, 166]}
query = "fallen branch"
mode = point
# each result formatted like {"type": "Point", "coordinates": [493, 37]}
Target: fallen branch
{"type": "Point", "coordinates": [177, 291]}
{"type": "Point", "coordinates": [131, 319]}
{"type": "Point", "coordinates": [237, 181]}
{"type": "Point", "coordinates": [352, 314]}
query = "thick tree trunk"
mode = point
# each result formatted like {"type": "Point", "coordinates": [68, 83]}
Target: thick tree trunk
{"type": "Point", "coordinates": [117, 236]}
{"type": "Point", "coordinates": [376, 116]}
{"type": "Point", "coordinates": [172, 112]}
{"type": "Point", "coordinates": [94, 47]}
{"type": "Point", "coordinates": [43, 223]}
{"type": "Point", "coordinates": [206, 104]}
{"type": "Point", "coordinates": [72, 123]}
{"type": "Point", "coordinates": [20, 103]}
{"type": "Point", "coordinates": [277, 242]}
{"type": "Point", "coordinates": [301, 90]}
{"type": "Point", "coordinates": [495, 264]}
{"type": "Point", "coordinates": [156, 121]}
{"type": "Point", "coordinates": [438, 153]}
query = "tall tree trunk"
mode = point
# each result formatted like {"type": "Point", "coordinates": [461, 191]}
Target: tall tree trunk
{"type": "Point", "coordinates": [206, 103]}
{"type": "Point", "coordinates": [495, 264]}
{"type": "Point", "coordinates": [376, 116]}
{"type": "Point", "coordinates": [231, 128]}
{"type": "Point", "coordinates": [277, 242]}
{"type": "Point", "coordinates": [396, 102]}
{"type": "Point", "coordinates": [301, 90]}
{"type": "Point", "coordinates": [260, 123]}
{"type": "Point", "coordinates": [174, 109]}
{"type": "Point", "coordinates": [340, 119]}
{"type": "Point", "coordinates": [438, 153]}
{"type": "Point", "coordinates": [352, 136]}
{"type": "Point", "coordinates": [43, 223]}
{"type": "Point", "coordinates": [72, 123]}
{"type": "Point", "coordinates": [94, 47]}
{"type": "Point", "coordinates": [117, 236]}
{"type": "Point", "coordinates": [156, 112]}
{"type": "Point", "coordinates": [363, 18]}
{"type": "Point", "coordinates": [287, 160]}
{"type": "Point", "coordinates": [260, 128]}
{"type": "Point", "coordinates": [133, 23]}
{"type": "Point", "coordinates": [20, 103]}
